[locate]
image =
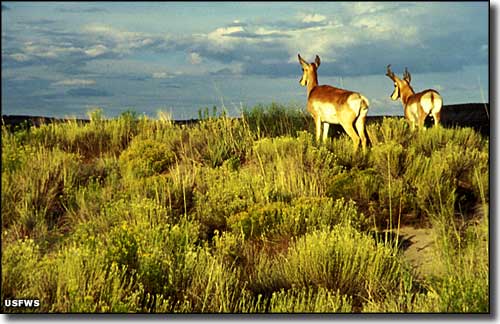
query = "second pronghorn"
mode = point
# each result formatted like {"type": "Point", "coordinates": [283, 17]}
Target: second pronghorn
{"type": "Point", "coordinates": [417, 106]}
{"type": "Point", "coordinates": [330, 105]}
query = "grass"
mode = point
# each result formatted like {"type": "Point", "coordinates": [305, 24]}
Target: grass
{"type": "Point", "coordinates": [241, 215]}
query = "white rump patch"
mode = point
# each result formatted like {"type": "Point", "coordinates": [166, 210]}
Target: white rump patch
{"type": "Point", "coordinates": [354, 102]}
{"type": "Point", "coordinates": [429, 105]}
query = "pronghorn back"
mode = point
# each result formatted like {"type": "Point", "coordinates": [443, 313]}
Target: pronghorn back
{"type": "Point", "coordinates": [326, 95]}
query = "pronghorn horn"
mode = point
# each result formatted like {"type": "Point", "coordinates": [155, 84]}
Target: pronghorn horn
{"type": "Point", "coordinates": [407, 75]}
{"type": "Point", "coordinates": [301, 60]}
{"type": "Point", "coordinates": [389, 73]}
{"type": "Point", "coordinates": [317, 61]}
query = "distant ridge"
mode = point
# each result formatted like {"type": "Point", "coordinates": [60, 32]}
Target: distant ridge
{"type": "Point", "coordinates": [475, 115]}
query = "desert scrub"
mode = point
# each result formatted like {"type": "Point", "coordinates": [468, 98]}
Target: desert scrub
{"type": "Point", "coordinates": [167, 257]}
{"type": "Point", "coordinates": [19, 260]}
{"type": "Point", "coordinates": [91, 139]}
{"type": "Point", "coordinates": [390, 129]}
{"type": "Point", "coordinates": [87, 283]}
{"type": "Point", "coordinates": [214, 286]}
{"type": "Point", "coordinates": [300, 216]}
{"type": "Point", "coordinates": [277, 120]}
{"type": "Point", "coordinates": [213, 141]}
{"type": "Point", "coordinates": [435, 179]}
{"type": "Point", "coordinates": [294, 166]}
{"type": "Point", "coordinates": [345, 155]}
{"type": "Point", "coordinates": [436, 138]}
{"type": "Point", "coordinates": [247, 216]}
{"type": "Point", "coordinates": [307, 300]}
{"type": "Point", "coordinates": [35, 191]}
{"type": "Point", "coordinates": [341, 259]}
{"type": "Point", "coordinates": [225, 192]}
{"type": "Point", "coordinates": [146, 157]}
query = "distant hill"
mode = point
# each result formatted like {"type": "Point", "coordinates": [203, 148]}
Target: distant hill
{"type": "Point", "coordinates": [473, 115]}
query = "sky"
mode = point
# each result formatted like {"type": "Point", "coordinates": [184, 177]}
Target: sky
{"type": "Point", "coordinates": [64, 59]}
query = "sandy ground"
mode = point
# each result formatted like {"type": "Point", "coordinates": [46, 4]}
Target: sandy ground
{"type": "Point", "coordinates": [418, 246]}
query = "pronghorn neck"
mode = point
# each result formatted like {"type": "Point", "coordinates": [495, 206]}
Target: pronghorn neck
{"type": "Point", "coordinates": [406, 93]}
{"type": "Point", "coordinates": [312, 83]}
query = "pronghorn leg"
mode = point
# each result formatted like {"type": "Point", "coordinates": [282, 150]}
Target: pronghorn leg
{"type": "Point", "coordinates": [352, 134]}
{"type": "Point", "coordinates": [318, 128]}
{"type": "Point", "coordinates": [360, 127]}
{"type": "Point", "coordinates": [421, 120]}
{"type": "Point", "coordinates": [437, 117]}
{"type": "Point", "coordinates": [325, 131]}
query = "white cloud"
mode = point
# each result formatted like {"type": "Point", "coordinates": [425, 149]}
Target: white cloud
{"type": "Point", "coordinates": [119, 41]}
{"type": "Point", "coordinates": [74, 82]}
{"type": "Point", "coordinates": [220, 35]}
{"type": "Point", "coordinates": [195, 58]}
{"type": "Point", "coordinates": [96, 50]}
{"type": "Point", "coordinates": [313, 18]}
{"type": "Point", "coordinates": [161, 75]}
{"type": "Point", "coordinates": [49, 51]}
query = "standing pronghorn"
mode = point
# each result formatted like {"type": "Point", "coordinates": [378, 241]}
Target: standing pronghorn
{"type": "Point", "coordinates": [417, 106]}
{"type": "Point", "coordinates": [330, 105]}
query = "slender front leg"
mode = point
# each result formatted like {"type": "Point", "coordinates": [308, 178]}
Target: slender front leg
{"type": "Point", "coordinates": [325, 131]}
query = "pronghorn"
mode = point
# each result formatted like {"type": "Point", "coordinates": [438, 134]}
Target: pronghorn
{"type": "Point", "coordinates": [330, 105]}
{"type": "Point", "coordinates": [417, 106]}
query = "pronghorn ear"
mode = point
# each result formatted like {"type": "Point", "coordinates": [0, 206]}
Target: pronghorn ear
{"type": "Point", "coordinates": [301, 60]}
{"type": "Point", "coordinates": [317, 61]}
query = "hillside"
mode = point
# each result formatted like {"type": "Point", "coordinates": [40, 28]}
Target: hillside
{"type": "Point", "coordinates": [245, 215]}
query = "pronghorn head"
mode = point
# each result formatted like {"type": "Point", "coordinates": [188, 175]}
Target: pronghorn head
{"type": "Point", "coordinates": [398, 83]}
{"type": "Point", "coordinates": [309, 71]}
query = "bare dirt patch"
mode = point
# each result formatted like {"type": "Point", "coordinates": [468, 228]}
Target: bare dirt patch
{"type": "Point", "coordinates": [418, 249]}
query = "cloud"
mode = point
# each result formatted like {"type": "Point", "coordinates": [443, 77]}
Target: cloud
{"type": "Point", "coordinates": [122, 42]}
{"type": "Point", "coordinates": [313, 18]}
{"type": "Point", "coordinates": [82, 10]}
{"type": "Point", "coordinates": [96, 50]}
{"type": "Point", "coordinates": [161, 75]}
{"type": "Point", "coordinates": [195, 58]}
{"type": "Point", "coordinates": [20, 57]}
{"type": "Point", "coordinates": [87, 92]}
{"type": "Point", "coordinates": [358, 38]}
{"type": "Point", "coordinates": [74, 82]}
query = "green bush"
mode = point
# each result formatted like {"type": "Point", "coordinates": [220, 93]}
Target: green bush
{"type": "Point", "coordinates": [309, 301]}
{"type": "Point", "coordinates": [144, 158]}
{"type": "Point", "coordinates": [300, 216]}
{"type": "Point", "coordinates": [277, 120]}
